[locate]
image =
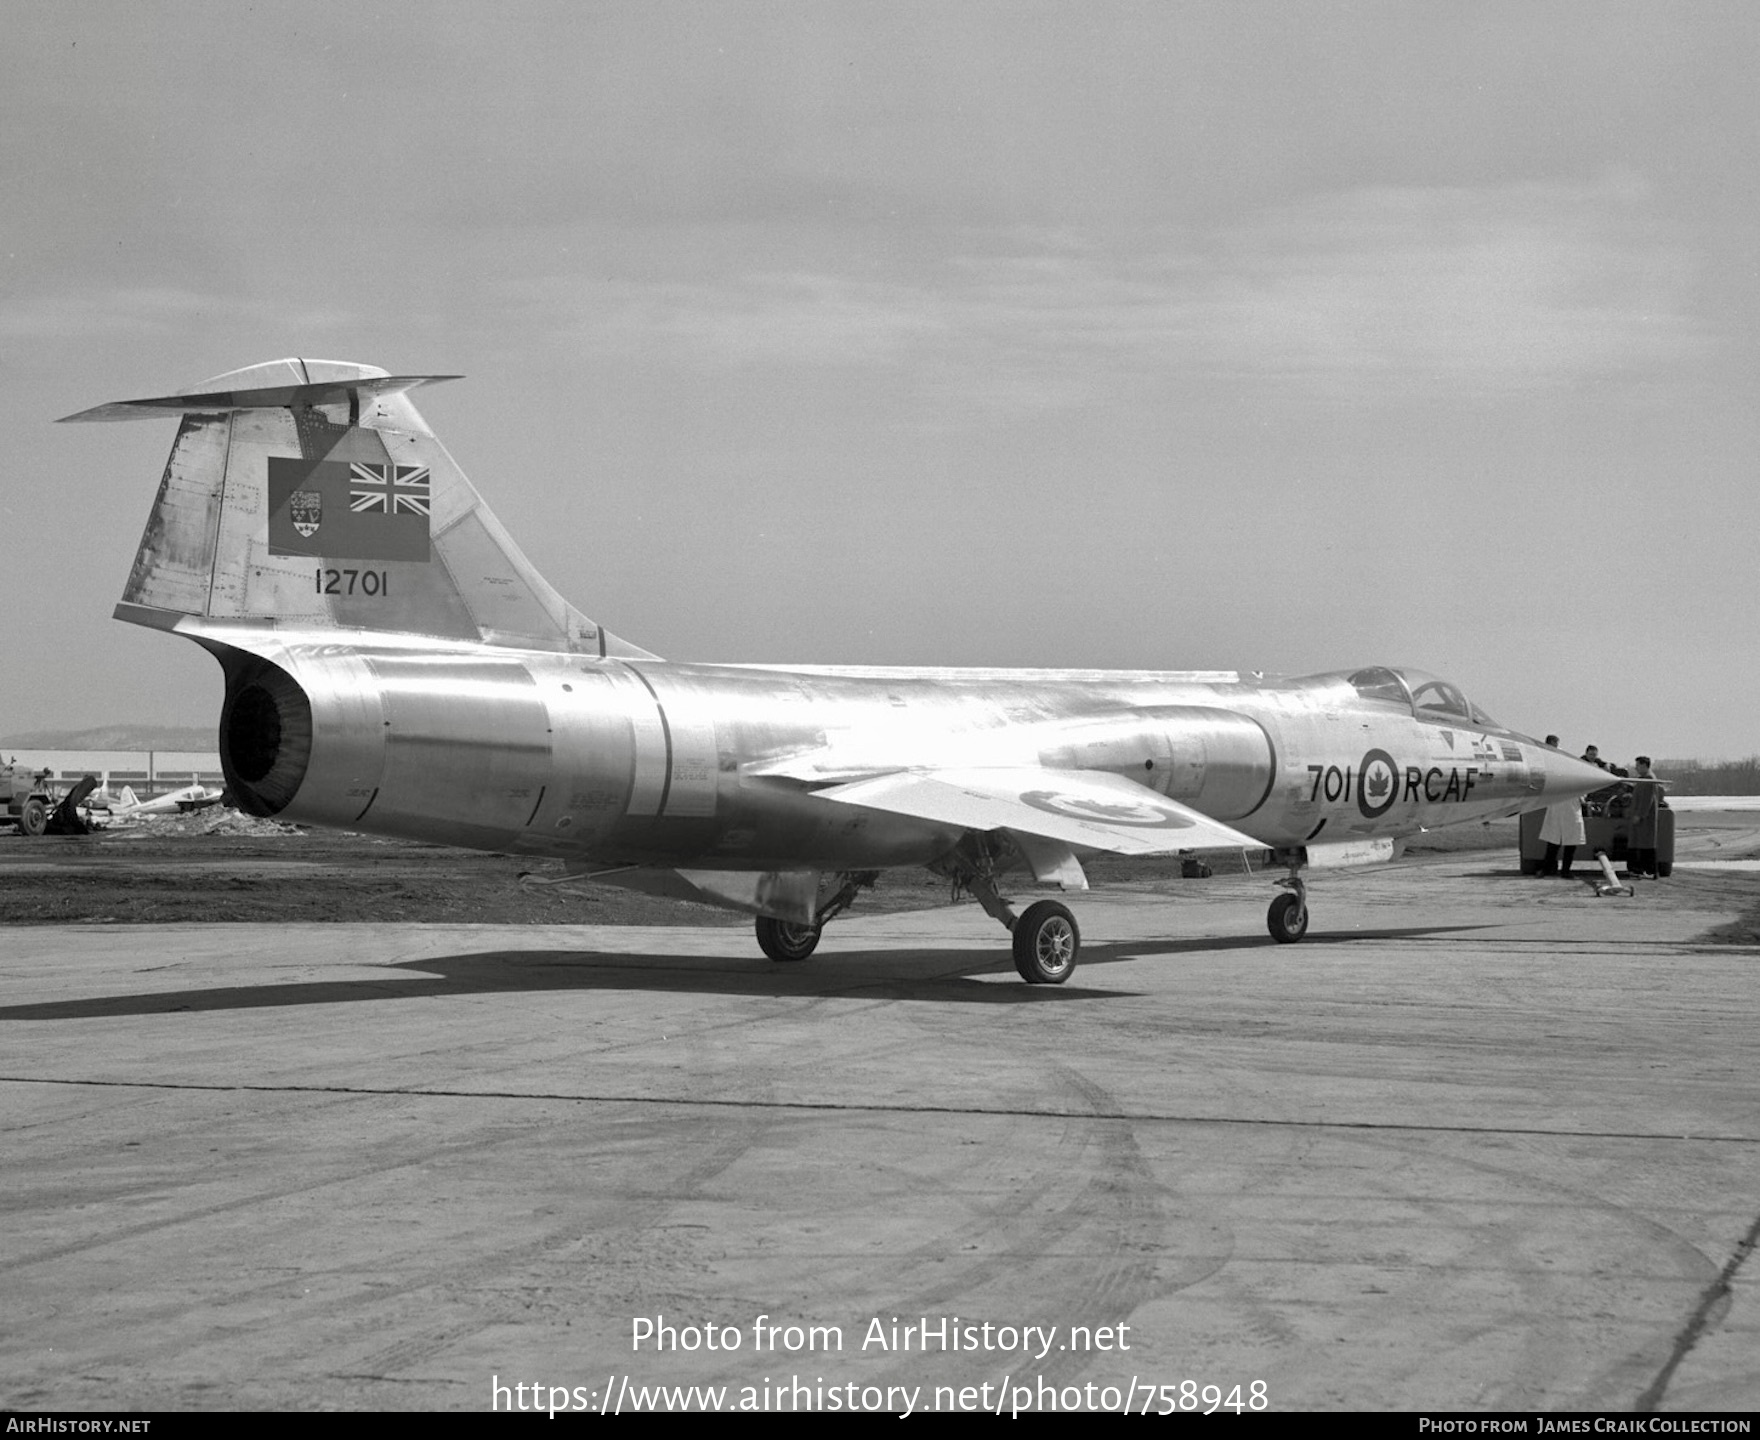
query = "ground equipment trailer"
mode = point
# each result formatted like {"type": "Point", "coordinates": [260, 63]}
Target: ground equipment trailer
{"type": "Point", "coordinates": [1608, 827]}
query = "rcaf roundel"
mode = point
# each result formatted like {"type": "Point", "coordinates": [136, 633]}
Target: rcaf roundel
{"type": "Point", "coordinates": [1379, 786]}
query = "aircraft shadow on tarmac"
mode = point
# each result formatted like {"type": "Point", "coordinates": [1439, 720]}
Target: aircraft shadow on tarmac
{"type": "Point", "coordinates": [944, 976]}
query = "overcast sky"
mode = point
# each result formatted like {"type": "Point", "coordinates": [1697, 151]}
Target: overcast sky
{"type": "Point", "coordinates": [1280, 337]}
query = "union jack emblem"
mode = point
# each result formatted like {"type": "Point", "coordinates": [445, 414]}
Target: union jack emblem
{"type": "Point", "coordinates": [388, 489]}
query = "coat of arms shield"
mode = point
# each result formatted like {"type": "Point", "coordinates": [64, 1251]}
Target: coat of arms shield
{"type": "Point", "coordinates": [307, 509]}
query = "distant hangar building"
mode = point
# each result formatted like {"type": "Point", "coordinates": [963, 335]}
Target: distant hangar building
{"type": "Point", "coordinates": [146, 772]}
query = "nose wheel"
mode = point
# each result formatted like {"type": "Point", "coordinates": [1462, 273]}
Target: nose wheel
{"type": "Point", "coordinates": [1287, 919]}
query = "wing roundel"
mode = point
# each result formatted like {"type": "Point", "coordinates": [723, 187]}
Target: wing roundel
{"type": "Point", "coordinates": [1088, 809]}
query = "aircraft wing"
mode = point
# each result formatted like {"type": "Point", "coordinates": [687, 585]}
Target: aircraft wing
{"type": "Point", "coordinates": [1092, 809]}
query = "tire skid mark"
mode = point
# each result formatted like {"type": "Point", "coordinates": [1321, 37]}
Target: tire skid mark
{"type": "Point", "coordinates": [1537, 1365]}
{"type": "Point", "coordinates": [1030, 1230]}
{"type": "Point", "coordinates": [1093, 1221]}
{"type": "Point", "coordinates": [1123, 1202]}
{"type": "Point", "coordinates": [631, 1232]}
{"type": "Point", "coordinates": [681, 1029]}
{"type": "Point", "coordinates": [622, 1232]}
{"type": "Point", "coordinates": [416, 1156]}
{"type": "Point", "coordinates": [635, 1236]}
{"type": "Point", "coordinates": [1263, 1321]}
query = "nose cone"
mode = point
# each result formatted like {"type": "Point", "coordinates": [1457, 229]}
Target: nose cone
{"type": "Point", "coordinates": [1565, 775]}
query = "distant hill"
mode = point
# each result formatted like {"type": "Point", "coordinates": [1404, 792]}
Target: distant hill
{"type": "Point", "coordinates": [117, 737]}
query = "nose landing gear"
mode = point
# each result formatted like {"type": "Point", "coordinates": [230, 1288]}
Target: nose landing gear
{"type": "Point", "coordinates": [1287, 919]}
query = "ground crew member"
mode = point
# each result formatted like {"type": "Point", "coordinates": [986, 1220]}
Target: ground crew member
{"type": "Point", "coordinates": [1595, 802]}
{"type": "Point", "coordinates": [1561, 829]}
{"type": "Point", "coordinates": [1647, 799]}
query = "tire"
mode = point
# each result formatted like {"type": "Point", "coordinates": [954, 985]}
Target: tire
{"type": "Point", "coordinates": [785, 942]}
{"type": "Point", "coordinates": [35, 818]}
{"type": "Point", "coordinates": [1287, 919]}
{"type": "Point", "coordinates": [1046, 944]}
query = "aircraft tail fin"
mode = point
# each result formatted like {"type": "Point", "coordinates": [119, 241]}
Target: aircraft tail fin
{"type": "Point", "coordinates": [312, 494]}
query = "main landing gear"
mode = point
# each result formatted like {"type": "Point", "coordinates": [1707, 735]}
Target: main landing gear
{"type": "Point", "coordinates": [1045, 935]}
{"type": "Point", "coordinates": [1046, 939]}
{"type": "Point", "coordinates": [1046, 943]}
{"type": "Point", "coordinates": [787, 941]}
{"type": "Point", "coordinates": [783, 941]}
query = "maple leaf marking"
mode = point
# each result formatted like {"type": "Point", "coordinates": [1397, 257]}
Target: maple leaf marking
{"type": "Point", "coordinates": [1104, 810]}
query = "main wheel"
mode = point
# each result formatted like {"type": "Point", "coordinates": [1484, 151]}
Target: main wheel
{"type": "Point", "coordinates": [35, 818]}
{"type": "Point", "coordinates": [1287, 919]}
{"type": "Point", "coordinates": [1046, 943]}
{"type": "Point", "coordinates": [782, 940]}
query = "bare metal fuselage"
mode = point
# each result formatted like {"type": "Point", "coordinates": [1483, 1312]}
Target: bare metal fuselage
{"type": "Point", "coordinates": [615, 762]}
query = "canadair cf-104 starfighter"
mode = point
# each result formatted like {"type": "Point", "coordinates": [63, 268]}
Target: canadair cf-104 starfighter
{"type": "Point", "coordinates": [394, 664]}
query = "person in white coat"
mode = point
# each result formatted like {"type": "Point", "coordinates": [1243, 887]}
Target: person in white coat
{"type": "Point", "coordinates": [1562, 830]}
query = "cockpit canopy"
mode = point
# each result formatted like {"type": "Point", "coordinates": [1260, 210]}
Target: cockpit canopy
{"type": "Point", "coordinates": [1420, 694]}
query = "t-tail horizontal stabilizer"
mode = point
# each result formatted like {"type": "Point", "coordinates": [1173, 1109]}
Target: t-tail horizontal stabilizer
{"type": "Point", "coordinates": [311, 495]}
{"type": "Point", "coordinates": [268, 397]}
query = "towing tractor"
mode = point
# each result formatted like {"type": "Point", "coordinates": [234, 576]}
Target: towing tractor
{"type": "Point", "coordinates": [33, 803]}
{"type": "Point", "coordinates": [1608, 824]}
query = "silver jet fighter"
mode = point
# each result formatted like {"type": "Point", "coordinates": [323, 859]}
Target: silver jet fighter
{"type": "Point", "coordinates": [394, 664]}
